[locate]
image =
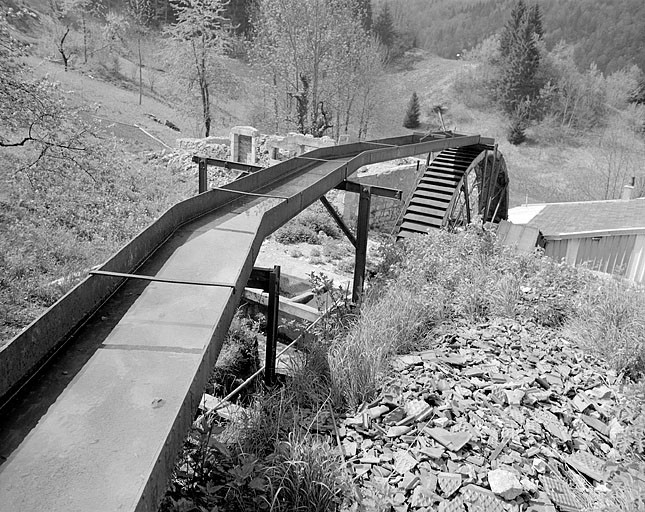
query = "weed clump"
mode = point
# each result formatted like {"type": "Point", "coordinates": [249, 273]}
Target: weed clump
{"type": "Point", "coordinates": [306, 475]}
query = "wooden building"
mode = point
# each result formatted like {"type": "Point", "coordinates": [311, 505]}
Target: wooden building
{"type": "Point", "coordinates": [606, 236]}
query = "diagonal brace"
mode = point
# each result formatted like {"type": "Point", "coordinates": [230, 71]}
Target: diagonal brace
{"type": "Point", "coordinates": [339, 220]}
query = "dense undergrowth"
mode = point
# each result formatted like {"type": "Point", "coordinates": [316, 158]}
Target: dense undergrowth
{"type": "Point", "coordinates": [272, 456]}
{"type": "Point", "coordinates": [308, 227]}
{"type": "Point", "coordinates": [57, 226]}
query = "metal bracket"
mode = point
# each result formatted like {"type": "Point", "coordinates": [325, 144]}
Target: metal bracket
{"type": "Point", "coordinates": [356, 187]}
{"type": "Point", "coordinates": [204, 162]}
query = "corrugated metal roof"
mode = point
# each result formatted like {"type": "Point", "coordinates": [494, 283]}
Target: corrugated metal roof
{"type": "Point", "coordinates": [554, 219]}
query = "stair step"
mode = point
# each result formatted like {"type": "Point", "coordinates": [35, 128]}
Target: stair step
{"type": "Point", "coordinates": [416, 227]}
{"type": "Point", "coordinates": [442, 181]}
{"type": "Point", "coordinates": [450, 160]}
{"type": "Point", "coordinates": [438, 187]}
{"type": "Point", "coordinates": [449, 175]}
{"type": "Point", "coordinates": [425, 210]}
{"type": "Point", "coordinates": [404, 233]}
{"type": "Point", "coordinates": [439, 195]}
{"type": "Point", "coordinates": [427, 220]}
{"type": "Point", "coordinates": [430, 201]}
{"type": "Point", "coordinates": [454, 166]}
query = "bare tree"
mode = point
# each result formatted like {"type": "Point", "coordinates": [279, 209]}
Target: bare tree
{"type": "Point", "coordinates": [66, 15]}
{"type": "Point", "coordinates": [316, 50]}
{"type": "Point", "coordinates": [40, 133]}
{"type": "Point", "coordinates": [194, 44]}
{"type": "Point", "coordinates": [140, 13]}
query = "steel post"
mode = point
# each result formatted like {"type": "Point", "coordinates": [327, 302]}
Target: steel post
{"type": "Point", "coordinates": [362, 230]}
{"type": "Point", "coordinates": [203, 175]}
{"type": "Point", "coordinates": [272, 325]}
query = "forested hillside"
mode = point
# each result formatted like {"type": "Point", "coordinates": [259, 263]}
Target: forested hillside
{"type": "Point", "coordinates": [610, 33]}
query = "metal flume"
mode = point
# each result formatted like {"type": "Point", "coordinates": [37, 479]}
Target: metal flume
{"type": "Point", "coordinates": [100, 391]}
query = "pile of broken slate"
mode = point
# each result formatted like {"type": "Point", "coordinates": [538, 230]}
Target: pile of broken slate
{"type": "Point", "coordinates": [503, 416]}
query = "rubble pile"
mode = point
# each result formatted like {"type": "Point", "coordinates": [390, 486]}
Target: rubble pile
{"type": "Point", "coordinates": [180, 159]}
{"type": "Point", "coordinates": [499, 416]}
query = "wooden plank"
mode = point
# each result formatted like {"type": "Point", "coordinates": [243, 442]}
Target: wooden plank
{"type": "Point", "coordinates": [415, 227]}
{"type": "Point", "coordinates": [429, 194]}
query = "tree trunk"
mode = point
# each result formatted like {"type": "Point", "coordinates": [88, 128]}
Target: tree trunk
{"type": "Point", "coordinates": [205, 106]}
{"type": "Point", "coordinates": [84, 36]}
{"type": "Point", "coordinates": [140, 71]}
{"type": "Point", "coordinates": [61, 49]}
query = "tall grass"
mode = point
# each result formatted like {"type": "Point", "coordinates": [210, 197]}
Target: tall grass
{"type": "Point", "coordinates": [440, 277]}
{"type": "Point", "coordinates": [610, 322]}
{"type": "Point", "coordinates": [388, 324]}
{"type": "Point", "coordinates": [306, 475]}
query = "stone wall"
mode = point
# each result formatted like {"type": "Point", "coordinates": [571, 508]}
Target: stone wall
{"type": "Point", "coordinates": [281, 147]}
{"type": "Point", "coordinates": [384, 212]}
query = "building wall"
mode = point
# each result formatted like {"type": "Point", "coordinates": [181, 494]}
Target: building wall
{"type": "Point", "coordinates": [619, 254]}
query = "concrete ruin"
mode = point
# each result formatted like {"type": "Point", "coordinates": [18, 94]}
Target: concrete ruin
{"type": "Point", "coordinates": [244, 142]}
{"type": "Point", "coordinates": [293, 144]}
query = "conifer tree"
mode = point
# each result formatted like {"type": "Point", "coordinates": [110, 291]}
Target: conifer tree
{"type": "Point", "coordinates": [384, 26]}
{"type": "Point", "coordinates": [535, 20]}
{"type": "Point", "coordinates": [520, 57]}
{"type": "Point", "coordinates": [412, 113]}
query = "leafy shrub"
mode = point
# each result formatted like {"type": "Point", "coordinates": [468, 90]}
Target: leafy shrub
{"type": "Point", "coordinates": [307, 227]}
{"type": "Point", "coordinates": [294, 233]}
{"type": "Point", "coordinates": [336, 250]}
{"type": "Point", "coordinates": [515, 134]}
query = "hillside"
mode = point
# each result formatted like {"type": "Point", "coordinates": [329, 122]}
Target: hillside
{"type": "Point", "coordinates": [548, 168]}
{"type": "Point", "coordinates": [607, 33]}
